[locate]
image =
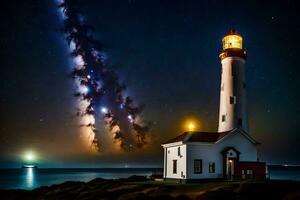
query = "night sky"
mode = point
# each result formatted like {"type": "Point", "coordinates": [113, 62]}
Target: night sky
{"type": "Point", "coordinates": [167, 54]}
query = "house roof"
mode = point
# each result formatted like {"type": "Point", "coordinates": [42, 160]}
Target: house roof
{"type": "Point", "coordinates": [205, 137]}
{"type": "Point", "coordinates": [196, 136]}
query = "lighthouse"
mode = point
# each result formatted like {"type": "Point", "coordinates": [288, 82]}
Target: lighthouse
{"type": "Point", "coordinates": [233, 107]}
{"type": "Point", "coordinates": [230, 153]}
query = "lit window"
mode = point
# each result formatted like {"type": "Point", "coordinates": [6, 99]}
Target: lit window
{"type": "Point", "coordinates": [232, 41]}
{"type": "Point", "coordinates": [174, 166]}
{"type": "Point", "coordinates": [198, 166]}
{"type": "Point", "coordinates": [211, 167]}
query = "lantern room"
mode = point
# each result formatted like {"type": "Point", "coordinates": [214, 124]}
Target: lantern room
{"type": "Point", "coordinates": [232, 40]}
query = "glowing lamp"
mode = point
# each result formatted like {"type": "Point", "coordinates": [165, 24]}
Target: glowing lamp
{"type": "Point", "coordinates": [191, 126]}
{"type": "Point", "coordinates": [233, 46]}
{"type": "Point", "coordinates": [29, 156]}
{"type": "Point", "coordinates": [232, 40]}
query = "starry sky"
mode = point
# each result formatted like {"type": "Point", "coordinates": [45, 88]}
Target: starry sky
{"type": "Point", "coordinates": [167, 54]}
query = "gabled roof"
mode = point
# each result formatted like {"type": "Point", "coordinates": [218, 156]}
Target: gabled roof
{"type": "Point", "coordinates": [196, 136]}
{"type": "Point", "coordinates": [207, 137]}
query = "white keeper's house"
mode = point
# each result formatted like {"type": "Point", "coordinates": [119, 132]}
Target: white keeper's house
{"type": "Point", "coordinates": [231, 152]}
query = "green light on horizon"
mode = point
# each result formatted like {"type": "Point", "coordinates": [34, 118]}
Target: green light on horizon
{"type": "Point", "coordinates": [29, 156]}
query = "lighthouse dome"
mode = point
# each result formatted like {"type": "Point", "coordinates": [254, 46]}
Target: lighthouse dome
{"type": "Point", "coordinates": [232, 40]}
{"type": "Point", "coordinates": [233, 46]}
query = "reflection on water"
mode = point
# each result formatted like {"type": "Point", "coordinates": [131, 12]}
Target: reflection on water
{"type": "Point", "coordinates": [29, 178]}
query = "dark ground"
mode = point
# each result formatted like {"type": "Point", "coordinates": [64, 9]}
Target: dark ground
{"type": "Point", "coordinates": [142, 188]}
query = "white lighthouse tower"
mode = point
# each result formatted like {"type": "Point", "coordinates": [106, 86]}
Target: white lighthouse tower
{"type": "Point", "coordinates": [230, 153]}
{"type": "Point", "coordinates": [233, 109]}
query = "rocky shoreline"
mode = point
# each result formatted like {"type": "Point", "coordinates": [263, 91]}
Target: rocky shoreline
{"type": "Point", "coordinates": [139, 187]}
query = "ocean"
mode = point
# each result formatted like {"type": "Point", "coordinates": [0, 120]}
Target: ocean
{"type": "Point", "coordinates": [32, 178]}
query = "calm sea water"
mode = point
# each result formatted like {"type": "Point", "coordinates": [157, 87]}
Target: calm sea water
{"type": "Point", "coordinates": [287, 174]}
{"type": "Point", "coordinates": [33, 178]}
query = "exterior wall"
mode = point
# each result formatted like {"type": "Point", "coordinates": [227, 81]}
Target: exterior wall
{"type": "Point", "coordinates": [212, 153]}
{"type": "Point", "coordinates": [165, 162]}
{"type": "Point", "coordinates": [171, 153]}
{"type": "Point", "coordinates": [258, 170]}
{"type": "Point", "coordinates": [233, 84]}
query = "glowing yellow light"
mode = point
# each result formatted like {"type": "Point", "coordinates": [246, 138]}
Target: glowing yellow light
{"type": "Point", "coordinates": [232, 41]}
{"type": "Point", "coordinates": [191, 126]}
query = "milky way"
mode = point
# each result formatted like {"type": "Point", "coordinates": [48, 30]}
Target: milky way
{"type": "Point", "coordinates": [98, 89]}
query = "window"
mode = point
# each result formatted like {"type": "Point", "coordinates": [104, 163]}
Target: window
{"type": "Point", "coordinates": [232, 100]}
{"type": "Point", "coordinates": [197, 166]}
{"type": "Point", "coordinates": [223, 118]}
{"type": "Point", "coordinates": [178, 151]}
{"type": "Point", "coordinates": [249, 173]}
{"type": "Point", "coordinates": [232, 41]}
{"type": "Point", "coordinates": [211, 167]}
{"type": "Point", "coordinates": [243, 174]}
{"type": "Point", "coordinates": [174, 166]}
{"type": "Point", "coordinates": [222, 87]}
{"type": "Point", "coordinates": [232, 71]}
